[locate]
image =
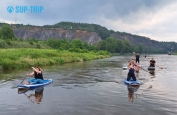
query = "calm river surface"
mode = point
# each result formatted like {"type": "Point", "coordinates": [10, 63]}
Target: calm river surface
{"type": "Point", "coordinates": [95, 88]}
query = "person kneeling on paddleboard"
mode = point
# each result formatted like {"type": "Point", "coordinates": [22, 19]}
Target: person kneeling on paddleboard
{"type": "Point", "coordinates": [132, 67]}
{"type": "Point", "coordinates": [38, 77]}
{"type": "Point", "coordinates": [152, 63]}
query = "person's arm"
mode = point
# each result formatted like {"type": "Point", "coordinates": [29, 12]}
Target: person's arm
{"type": "Point", "coordinates": [136, 67]}
{"type": "Point", "coordinates": [154, 62]}
{"type": "Point", "coordinates": [30, 74]}
{"type": "Point", "coordinates": [129, 66]}
{"type": "Point", "coordinates": [36, 70]}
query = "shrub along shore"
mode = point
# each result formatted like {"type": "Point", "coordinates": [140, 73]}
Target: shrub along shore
{"type": "Point", "coordinates": [27, 57]}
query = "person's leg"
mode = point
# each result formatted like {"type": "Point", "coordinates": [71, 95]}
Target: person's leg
{"type": "Point", "coordinates": [25, 82]}
{"type": "Point", "coordinates": [39, 81]}
{"type": "Point", "coordinates": [133, 77]}
{"type": "Point", "coordinates": [128, 77]}
{"type": "Point", "coordinates": [35, 81]}
{"type": "Point", "coordinates": [30, 81]}
{"type": "Point", "coordinates": [153, 65]}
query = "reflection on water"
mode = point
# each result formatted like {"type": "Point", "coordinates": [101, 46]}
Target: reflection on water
{"type": "Point", "coordinates": [152, 72]}
{"type": "Point", "coordinates": [22, 90]}
{"type": "Point", "coordinates": [95, 87]}
{"type": "Point", "coordinates": [35, 97]}
{"type": "Point", "coordinates": [131, 89]}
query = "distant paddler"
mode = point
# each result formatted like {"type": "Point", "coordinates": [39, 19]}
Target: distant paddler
{"type": "Point", "coordinates": [152, 64]}
{"type": "Point", "coordinates": [137, 56]}
{"type": "Point", "coordinates": [145, 56]}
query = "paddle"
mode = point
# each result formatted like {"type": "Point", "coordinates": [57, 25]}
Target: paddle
{"type": "Point", "coordinates": [24, 78]}
{"type": "Point", "coordinates": [160, 67]}
{"type": "Point", "coordinates": [29, 98]}
{"type": "Point", "coordinates": [22, 90]}
{"type": "Point", "coordinates": [143, 69]}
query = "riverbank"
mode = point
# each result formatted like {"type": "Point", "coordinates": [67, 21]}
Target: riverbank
{"type": "Point", "coordinates": [27, 57]}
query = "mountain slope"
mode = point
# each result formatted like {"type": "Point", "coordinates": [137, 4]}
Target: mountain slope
{"type": "Point", "coordinates": [91, 33]}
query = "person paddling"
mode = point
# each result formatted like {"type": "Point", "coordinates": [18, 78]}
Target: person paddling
{"type": "Point", "coordinates": [38, 77]}
{"type": "Point", "coordinates": [132, 68]}
{"type": "Point", "coordinates": [152, 63]}
{"type": "Point", "coordinates": [145, 56]}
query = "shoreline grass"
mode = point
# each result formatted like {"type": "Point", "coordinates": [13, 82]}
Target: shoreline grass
{"type": "Point", "coordinates": [17, 58]}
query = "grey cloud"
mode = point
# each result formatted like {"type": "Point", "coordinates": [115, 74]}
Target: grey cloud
{"type": "Point", "coordinates": [90, 11]}
{"type": "Point", "coordinates": [82, 10]}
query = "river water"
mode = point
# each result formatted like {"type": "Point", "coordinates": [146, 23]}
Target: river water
{"type": "Point", "coordinates": [95, 88]}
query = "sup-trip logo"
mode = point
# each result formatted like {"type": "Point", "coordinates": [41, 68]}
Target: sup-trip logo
{"type": "Point", "coordinates": [24, 9]}
{"type": "Point", "coordinates": [10, 9]}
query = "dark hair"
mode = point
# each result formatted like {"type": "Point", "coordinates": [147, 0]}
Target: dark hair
{"type": "Point", "coordinates": [39, 68]}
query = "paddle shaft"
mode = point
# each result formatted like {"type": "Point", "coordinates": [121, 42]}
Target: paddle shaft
{"type": "Point", "coordinates": [24, 78]}
{"type": "Point", "coordinates": [144, 69]}
{"type": "Point", "coordinates": [159, 67]}
{"type": "Point", "coordinates": [29, 98]}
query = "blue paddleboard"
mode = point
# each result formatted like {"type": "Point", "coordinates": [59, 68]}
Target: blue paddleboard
{"type": "Point", "coordinates": [131, 82]}
{"type": "Point", "coordinates": [45, 82]}
{"type": "Point", "coordinates": [124, 68]}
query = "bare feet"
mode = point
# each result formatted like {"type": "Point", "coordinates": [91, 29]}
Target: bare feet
{"type": "Point", "coordinates": [25, 82]}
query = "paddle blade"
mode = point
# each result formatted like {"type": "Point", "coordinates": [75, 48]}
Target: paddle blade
{"type": "Point", "coordinates": [22, 90]}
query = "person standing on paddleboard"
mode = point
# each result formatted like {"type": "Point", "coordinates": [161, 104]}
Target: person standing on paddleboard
{"type": "Point", "coordinates": [38, 77]}
{"type": "Point", "coordinates": [152, 63]}
{"type": "Point", "coordinates": [137, 57]}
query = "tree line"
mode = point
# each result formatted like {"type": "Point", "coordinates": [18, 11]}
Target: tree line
{"type": "Point", "coordinates": [109, 43]}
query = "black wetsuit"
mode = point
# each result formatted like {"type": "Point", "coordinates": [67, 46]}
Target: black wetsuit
{"type": "Point", "coordinates": [131, 74]}
{"type": "Point", "coordinates": [38, 75]}
{"type": "Point", "coordinates": [152, 63]}
{"type": "Point", "coordinates": [137, 58]}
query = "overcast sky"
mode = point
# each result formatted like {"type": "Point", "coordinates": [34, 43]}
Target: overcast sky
{"type": "Point", "coordinates": [156, 19]}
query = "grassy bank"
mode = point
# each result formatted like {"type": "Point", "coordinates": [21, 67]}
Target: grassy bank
{"type": "Point", "coordinates": [27, 57]}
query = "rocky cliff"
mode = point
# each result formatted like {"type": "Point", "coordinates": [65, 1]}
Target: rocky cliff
{"type": "Point", "coordinates": [90, 33]}
{"type": "Point", "coordinates": [58, 33]}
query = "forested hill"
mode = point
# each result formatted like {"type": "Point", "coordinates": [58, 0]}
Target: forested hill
{"type": "Point", "coordinates": [105, 33]}
{"type": "Point", "coordinates": [91, 33]}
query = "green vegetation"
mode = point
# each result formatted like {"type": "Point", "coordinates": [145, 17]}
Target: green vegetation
{"type": "Point", "coordinates": [119, 45]}
{"type": "Point", "coordinates": [17, 53]}
{"type": "Point", "coordinates": [175, 53]}
{"type": "Point", "coordinates": [27, 57]}
{"type": "Point", "coordinates": [140, 44]}
{"type": "Point", "coordinates": [6, 32]}
{"type": "Point", "coordinates": [116, 46]}
{"type": "Point", "coordinates": [123, 46]}
{"type": "Point", "coordinates": [18, 43]}
{"type": "Point", "coordinates": [102, 31]}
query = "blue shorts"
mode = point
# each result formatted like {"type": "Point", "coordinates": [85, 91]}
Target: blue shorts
{"type": "Point", "coordinates": [35, 81]}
